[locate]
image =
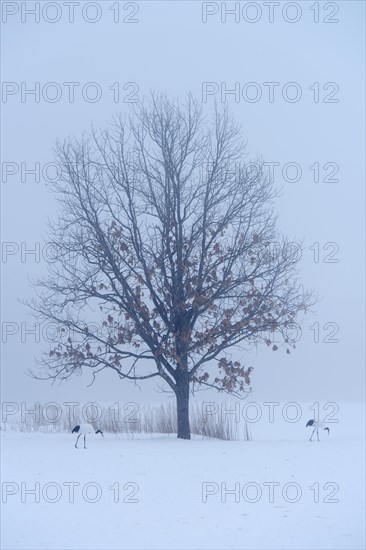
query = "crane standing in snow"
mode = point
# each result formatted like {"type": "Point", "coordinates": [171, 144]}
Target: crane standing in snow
{"type": "Point", "coordinates": [316, 426]}
{"type": "Point", "coordinates": [83, 429]}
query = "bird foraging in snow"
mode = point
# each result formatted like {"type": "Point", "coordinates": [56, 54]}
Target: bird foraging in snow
{"type": "Point", "coordinates": [316, 426]}
{"type": "Point", "coordinates": [83, 429]}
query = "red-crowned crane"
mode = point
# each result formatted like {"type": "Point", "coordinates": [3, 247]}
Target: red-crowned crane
{"type": "Point", "coordinates": [83, 429]}
{"type": "Point", "coordinates": [316, 426]}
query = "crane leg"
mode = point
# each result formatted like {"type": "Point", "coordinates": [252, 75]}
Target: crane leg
{"type": "Point", "coordinates": [311, 437]}
{"type": "Point", "coordinates": [77, 439]}
{"type": "Point", "coordinates": [317, 433]}
{"type": "Point", "coordinates": [84, 441]}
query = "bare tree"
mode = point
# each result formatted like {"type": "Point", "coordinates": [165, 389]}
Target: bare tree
{"type": "Point", "coordinates": [165, 240]}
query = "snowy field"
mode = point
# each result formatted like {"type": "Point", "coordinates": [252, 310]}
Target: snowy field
{"type": "Point", "coordinates": [157, 492]}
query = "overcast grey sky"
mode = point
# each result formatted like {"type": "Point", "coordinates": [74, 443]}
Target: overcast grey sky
{"type": "Point", "coordinates": [305, 69]}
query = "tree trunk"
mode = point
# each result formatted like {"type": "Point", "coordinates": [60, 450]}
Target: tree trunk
{"type": "Point", "coordinates": [182, 394]}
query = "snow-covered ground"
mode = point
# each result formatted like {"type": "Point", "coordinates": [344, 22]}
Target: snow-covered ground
{"type": "Point", "coordinates": [157, 492]}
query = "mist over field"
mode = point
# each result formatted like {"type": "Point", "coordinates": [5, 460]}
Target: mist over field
{"type": "Point", "coordinates": [162, 218]}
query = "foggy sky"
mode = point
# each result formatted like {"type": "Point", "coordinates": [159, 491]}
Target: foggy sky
{"type": "Point", "coordinates": [171, 49]}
